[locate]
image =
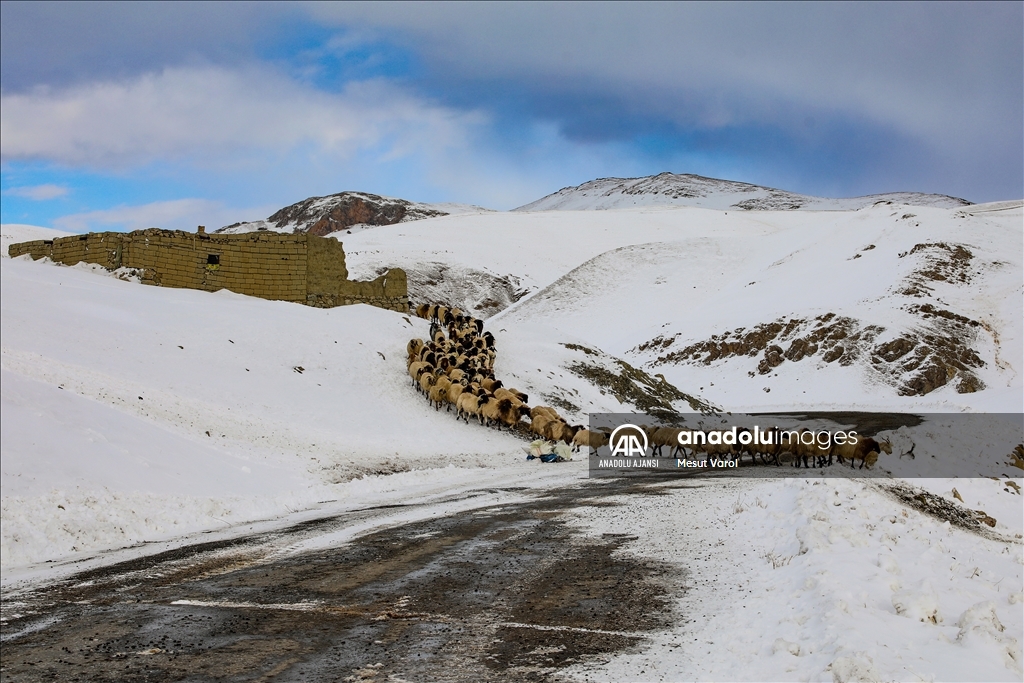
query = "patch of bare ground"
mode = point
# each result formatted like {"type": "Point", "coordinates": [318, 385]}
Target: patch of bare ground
{"type": "Point", "coordinates": [477, 292]}
{"type": "Point", "coordinates": [916, 362]}
{"type": "Point", "coordinates": [933, 353]}
{"type": "Point", "coordinates": [975, 521]}
{"type": "Point", "coordinates": [653, 395]}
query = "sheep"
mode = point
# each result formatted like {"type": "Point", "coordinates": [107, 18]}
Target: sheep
{"type": "Point", "coordinates": [592, 440]}
{"type": "Point", "coordinates": [663, 436]}
{"type": "Point", "coordinates": [560, 431]}
{"type": "Point", "coordinates": [454, 391]}
{"type": "Point", "coordinates": [418, 368]}
{"type": "Point", "coordinates": [438, 393]}
{"type": "Point", "coordinates": [414, 347]}
{"type": "Point", "coordinates": [423, 311]}
{"type": "Point", "coordinates": [517, 397]}
{"type": "Point", "coordinates": [541, 422]}
{"type": "Point", "coordinates": [865, 449]}
{"type": "Point", "coordinates": [490, 384]}
{"type": "Point", "coordinates": [468, 404]}
{"type": "Point", "coordinates": [427, 380]}
{"type": "Point", "coordinates": [714, 449]}
{"type": "Point", "coordinates": [544, 410]}
{"type": "Point", "coordinates": [499, 411]}
{"type": "Point", "coordinates": [803, 451]}
{"type": "Point", "coordinates": [770, 452]}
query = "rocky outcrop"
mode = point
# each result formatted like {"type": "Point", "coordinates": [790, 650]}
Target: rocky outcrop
{"type": "Point", "coordinates": [333, 213]}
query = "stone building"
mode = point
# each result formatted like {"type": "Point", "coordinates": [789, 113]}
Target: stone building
{"type": "Point", "coordinates": [289, 267]}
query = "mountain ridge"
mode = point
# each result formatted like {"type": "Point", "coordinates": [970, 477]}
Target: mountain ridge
{"type": "Point", "coordinates": [687, 189]}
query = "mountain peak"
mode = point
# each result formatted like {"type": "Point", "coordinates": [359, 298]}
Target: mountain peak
{"type": "Point", "coordinates": [345, 210]}
{"type": "Point", "coordinates": [687, 189]}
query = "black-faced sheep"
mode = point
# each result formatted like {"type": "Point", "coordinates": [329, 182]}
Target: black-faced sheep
{"type": "Point", "coordinates": [427, 380]}
{"type": "Point", "coordinates": [438, 393]}
{"type": "Point", "coordinates": [499, 411]}
{"type": "Point", "coordinates": [413, 348]}
{"type": "Point", "coordinates": [417, 368]}
{"type": "Point", "coordinates": [866, 450]}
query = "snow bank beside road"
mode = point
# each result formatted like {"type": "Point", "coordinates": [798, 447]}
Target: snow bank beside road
{"type": "Point", "coordinates": [817, 579]}
{"type": "Point", "coordinates": [136, 413]}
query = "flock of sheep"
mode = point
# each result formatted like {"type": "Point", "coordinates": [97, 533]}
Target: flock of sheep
{"type": "Point", "coordinates": [807, 452]}
{"type": "Point", "coordinates": [455, 368]}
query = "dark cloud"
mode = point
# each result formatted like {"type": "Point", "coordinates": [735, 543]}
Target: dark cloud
{"type": "Point", "coordinates": [860, 96]}
{"type": "Point", "coordinates": [64, 43]}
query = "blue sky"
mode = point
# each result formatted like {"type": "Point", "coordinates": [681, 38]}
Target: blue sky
{"type": "Point", "coordinates": [127, 115]}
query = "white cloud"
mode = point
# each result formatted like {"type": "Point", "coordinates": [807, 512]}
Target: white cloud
{"type": "Point", "coordinates": [178, 214]}
{"type": "Point", "coordinates": [38, 192]}
{"type": "Point", "coordinates": [209, 114]}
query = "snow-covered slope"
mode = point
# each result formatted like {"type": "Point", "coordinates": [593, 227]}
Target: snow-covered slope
{"type": "Point", "coordinates": [12, 233]}
{"type": "Point", "coordinates": [348, 211]}
{"type": "Point", "coordinates": [134, 413]}
{"type": "Point", "coordinates": [671, 189]}
{"type": "Point", "coordinates": [704, 296]}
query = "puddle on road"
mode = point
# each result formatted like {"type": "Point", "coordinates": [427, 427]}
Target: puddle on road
{"type": "Point", "coordinates": [508, 593]}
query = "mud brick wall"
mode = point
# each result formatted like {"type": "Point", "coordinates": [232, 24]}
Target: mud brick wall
{"type": "Point", "coordinates": [302, 268]}
{"type": "Point", "coordinates": [267, 265]}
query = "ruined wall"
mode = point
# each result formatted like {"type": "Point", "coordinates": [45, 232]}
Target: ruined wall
{"type": "Point", "coordinates": [288, 267]}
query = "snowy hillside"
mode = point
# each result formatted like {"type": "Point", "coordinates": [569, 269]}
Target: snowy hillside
{"type": "Point", "coordinates": [348, 211]}
{"type": "Point", "coordinates": [893, 304]}
{"type": "Point", "coordinates": [135, 417]}
{"type": "Point", "coordinates": [671, 189]}
{"type": "Point", "coordinates": [145, 413]}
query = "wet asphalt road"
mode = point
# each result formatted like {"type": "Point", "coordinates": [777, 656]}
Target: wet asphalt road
{"type": "Point", "coordinates": [501, 593]}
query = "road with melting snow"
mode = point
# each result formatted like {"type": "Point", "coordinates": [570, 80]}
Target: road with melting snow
{"type": "Point", "coordinates": [499, 592]}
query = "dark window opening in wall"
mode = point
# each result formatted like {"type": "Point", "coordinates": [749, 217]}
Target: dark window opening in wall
{"type": "Point", "coordinates": [213, 260]}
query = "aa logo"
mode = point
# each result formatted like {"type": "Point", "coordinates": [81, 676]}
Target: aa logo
{"type": "Point", "coordinates": [629, 441]}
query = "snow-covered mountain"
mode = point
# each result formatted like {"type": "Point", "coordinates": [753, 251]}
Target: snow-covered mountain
{"type": "Point", "coordinates": [137, 415]}
{"type": "Point", "coordinates": [672, 189]}
{"type": "Point", "coordinates": [347, 211]}
{"type": "Point", "coordinates": [748, 310]}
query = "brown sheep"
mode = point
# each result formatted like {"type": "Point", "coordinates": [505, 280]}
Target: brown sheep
{"type": "Point", "coordinates": [465, 405]}
{"type": "Point", "coordinates": [560, 431]}
{"type": "Point", "coordinates": [418, 368]}
{"type": "Point", "coordinates": [540, 424]}
{"type": "Point", "coordinates": [438, 393]}
{"type": "Point", "coordinates": [414, 347]}
{"type": "Point", "coordinates": [454, 391]}
{"type": "Point", "coordinates": [518, 398]}
{"type": "Point", "coordinates": [544, 410]}
{"type": "Point", "coordinates": [427, 380]}
{"type": "Point", "coordinates": [499, 411]}
{"type": "Point", "coordinates": [662, 436]}
{"type": "Point", "coordinates": [866, 450]}
{"type": "Point", "coordinates": [592, 440]}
